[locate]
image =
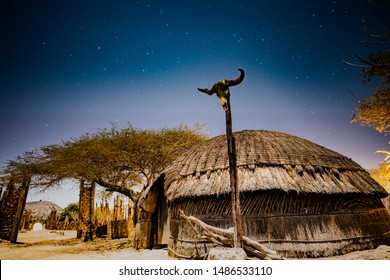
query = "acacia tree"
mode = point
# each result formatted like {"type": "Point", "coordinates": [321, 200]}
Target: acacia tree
{"type": "Point", "coordinates": [381, 176]}
{"type": "Point", "coordinates": [374, 111]}
{"type": "Point", "coordinates": [124, 160]}
{"type": "Point", "coordinates": [23, 167]}
{"type": "Point", "coordinates": [24, 170]}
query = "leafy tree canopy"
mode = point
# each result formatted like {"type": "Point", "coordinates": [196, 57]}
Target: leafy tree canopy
{"type": "Point", "coordinates": [72, 211]}
{"type": "Point", "coordinates": [117, 159]}
{"type": "Point", "coordinates": [374, 111]}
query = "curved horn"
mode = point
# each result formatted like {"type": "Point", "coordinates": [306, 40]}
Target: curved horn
{"type": "Point", "coordinates": [238, 80]}
{"type": "Point", "coordinates": [206, 90]}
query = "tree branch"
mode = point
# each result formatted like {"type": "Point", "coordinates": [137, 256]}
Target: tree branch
{"type": "Point", "coordinates": [123, 190]}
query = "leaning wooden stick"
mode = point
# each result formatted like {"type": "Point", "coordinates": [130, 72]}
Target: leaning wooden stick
{"type": "Point", "coordinates": [224, 237]}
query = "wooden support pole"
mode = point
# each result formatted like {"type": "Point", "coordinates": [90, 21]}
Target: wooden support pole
{"type": "Point", "coordinates": [221, 88]}
{"type": "Point", "coordinates": [235, 191]}
{"type": "Point", "coordinates": [86, 211]}
{"type": "Point", "coordinates": [19, 213]}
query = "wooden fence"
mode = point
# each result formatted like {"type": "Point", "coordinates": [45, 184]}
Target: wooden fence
{"type": "Point", "coordinates": [114, 223]}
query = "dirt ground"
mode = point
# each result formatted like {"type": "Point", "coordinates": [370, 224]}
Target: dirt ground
{"type": "Point", "coordinates": [63, 245]}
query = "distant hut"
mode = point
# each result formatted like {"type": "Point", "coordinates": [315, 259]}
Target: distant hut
{"type": "Point", "coordinates": [41, 212]}
{"type": "Point", "coordinates": [297, 197]}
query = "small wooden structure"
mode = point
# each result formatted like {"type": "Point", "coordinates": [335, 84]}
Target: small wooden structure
{"type": "Point", "coordinates": [86, 229]}
{"type": "Point", "coordinates": [12, 204]}
{"type": "Point", "coordinates": [297, 198]}
{"type": "Point", "coordinates": [114, 223]}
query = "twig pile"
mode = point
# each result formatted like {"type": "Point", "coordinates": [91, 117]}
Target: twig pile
{"type": "Point", "coordinates": [224, 237]}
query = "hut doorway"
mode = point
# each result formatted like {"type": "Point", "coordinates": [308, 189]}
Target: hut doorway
{"type": "Point", "coordinates": [160, 230]}
{"type": "Point", "coordinates": [163, 223]}
{"type": "Point", "coordinates": [37, 227]}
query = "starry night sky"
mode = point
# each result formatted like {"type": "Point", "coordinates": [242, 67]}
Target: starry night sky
{"type": "Point", "coordinates": [71, 67]}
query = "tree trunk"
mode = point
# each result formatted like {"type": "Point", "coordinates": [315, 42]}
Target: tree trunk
{"type": "Point", "coordinates": [115, 188]}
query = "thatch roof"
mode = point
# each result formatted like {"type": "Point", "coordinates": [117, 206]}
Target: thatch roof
{"type": "Point", "coordinates": [266, 160]}
{"type": "Point", "coordinates": [41, 210]}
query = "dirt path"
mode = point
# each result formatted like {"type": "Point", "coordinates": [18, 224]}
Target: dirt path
{"type": "Point", "coordinates": [63, 245]}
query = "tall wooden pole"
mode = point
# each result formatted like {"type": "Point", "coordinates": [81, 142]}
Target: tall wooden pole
{"type": "Point", "coordinates": [23, 191]}
{"type": "Point", "coordinates": [86, 211]}
{"type": "Point", "coordinates": [235, 191]}
{"type": "Point", "coordinates": [221, 88]}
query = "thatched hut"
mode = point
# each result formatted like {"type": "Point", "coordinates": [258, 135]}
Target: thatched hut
{"type": "Point", "coordinates": [43, 212]}
{"type": "Point", "coordinates": [297, 197]}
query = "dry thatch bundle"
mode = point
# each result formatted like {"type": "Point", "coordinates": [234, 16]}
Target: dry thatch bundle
{"type": "Point", "coordinates": [299, 198]}
{"type": "Point", "coordinates": [266, 160]}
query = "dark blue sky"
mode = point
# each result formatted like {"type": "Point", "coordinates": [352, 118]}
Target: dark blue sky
{"type": "Point", "coordinates": [71, 67]}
